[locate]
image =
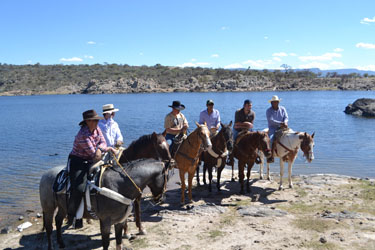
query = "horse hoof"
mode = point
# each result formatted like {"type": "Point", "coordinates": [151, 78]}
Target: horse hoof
{"type": "Point", "coordinates": [291, 186]}
{"type": "Point", "coordinates": [127, 236]}
{"type": "Point", "coordinates": [281, 188]}
{"type": "Point", "coordinates": [142, 232]}
{"type": "Point", "coordinates": [269, 178]}
{"type": "Point", "coordinates": [261, 177]}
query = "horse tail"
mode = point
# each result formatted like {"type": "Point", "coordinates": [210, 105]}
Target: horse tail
{"type": "Point", "coordinates": [44, 222]}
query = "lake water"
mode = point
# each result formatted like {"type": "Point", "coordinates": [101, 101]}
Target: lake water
{"type": "Point", "coordinates": [38, 132]}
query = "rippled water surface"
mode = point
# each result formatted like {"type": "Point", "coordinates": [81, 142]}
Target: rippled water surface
{"type": "Point", "coordinates": [38, 132]}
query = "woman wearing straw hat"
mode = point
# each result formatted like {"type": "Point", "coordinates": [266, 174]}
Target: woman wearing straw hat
{"type": "Point", "coordinates": [110, 129]}
{"type": "Point", "coordinates": [277, 118]}
{"type": "Point", "coordinates": [88, 146]}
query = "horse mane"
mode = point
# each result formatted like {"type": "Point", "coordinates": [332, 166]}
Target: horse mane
{"type": "Point", "coordinates": [144, 140]}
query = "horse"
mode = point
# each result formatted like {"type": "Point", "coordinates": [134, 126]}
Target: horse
{"type": "Point", "coordinates": [152, 146]}
{"type": "Point", "coordinates": [187, 156]}
{"type": "Point", "coordinates": [246, 149]}
{"type": "Point", "coordinates": [127, 181]}
{"type": "Point", "coordinates": [222, 142]}
{"type": "Point", "coordinates": [287, 148]}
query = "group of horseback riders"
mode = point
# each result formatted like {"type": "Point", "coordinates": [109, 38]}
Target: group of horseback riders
{"type": "Point", "coordinates": [99, 135]}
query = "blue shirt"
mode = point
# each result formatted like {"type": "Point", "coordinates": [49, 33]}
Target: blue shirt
{"type": "Point", "coordinates": [212, 119]}
{"type": "Point", "coordinates": [111, 131]}
{"type": "Point", "coordinates": [275, 118]}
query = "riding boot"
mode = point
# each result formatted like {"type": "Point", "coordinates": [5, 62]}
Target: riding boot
{"type": "Point", "coordinates": [73, 204]}
{"type": "Point", "coordinates": [271, 158]}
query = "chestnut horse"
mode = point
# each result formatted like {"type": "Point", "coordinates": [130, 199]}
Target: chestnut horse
{"type": "Point", "coordinates": [222, 144]}
{"type": "Point", "coordinates": [287, 148]}
{"type": "Point", "coordinates": [246, 149]}
{"type": "Point", "coordinates": [152, 146]}
{"type": "Point", "coordinates": [187, 156]}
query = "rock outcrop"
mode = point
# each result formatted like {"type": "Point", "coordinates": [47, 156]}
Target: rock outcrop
{"type": "Point", "coordinates": [362, 107]}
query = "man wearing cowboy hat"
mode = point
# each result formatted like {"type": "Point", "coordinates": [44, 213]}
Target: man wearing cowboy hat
{"type": "Point", "coordinates": [211, 117]}
{"type": "Point", "coordinates": [175, 122]}
{"type": "Point", "coordinates": [277, 118]}
{"type": "Point", "coordinates": [110, 128]}
{"type": "Point", "coordinates": [88, 146]}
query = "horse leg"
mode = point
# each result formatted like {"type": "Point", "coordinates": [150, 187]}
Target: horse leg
{"type": "Point", "coordinates": [105, 230]}
{"type": "Point", "coordinates": [241, 167]}
{"type": "Point", "coordinates": [204, 173]}
{"type": "Point", "coordinates": [118, 235]}
{"type": "Point", "coordinates": [61, 214]}
{"type": "Point", "coordinates": [290, 165]}
{"type": "Point", "coordinates": [268, 172]}
{"type": "Point", "coordinates": [250, 165]}
{"type": "Point", "coordinates": [281, 174]}
{"type": "Point", "coordinates": [232, 171]}
{"type": "Point", "coordinates": [190, 185]}
{"type": "Point", "coordinates": [183, 186]}
{"type": "Point", "coordinates": [209, 177]}
{"type": "Point", "coordinates": [126, 230]}
{"type": "Point", "coordinates": [137, 215]}
{"type": "Point", "coordinates": [261, 165]}
{"type": "Point", "coordinates": [219, 170]}
{"type": "Point", "coordinates": [47, 224]}
{"type": "Point", "coordinates": [198, 183]}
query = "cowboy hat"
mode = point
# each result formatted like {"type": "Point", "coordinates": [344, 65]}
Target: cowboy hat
{"type": "Point", "coordinates": [177, 105]}
{"type": "Point", "coordinates": [275, 98]}
{"type": "Point", "coordinates": [109, 108]}
{"type": "Point", "coordinates": [90, 115]}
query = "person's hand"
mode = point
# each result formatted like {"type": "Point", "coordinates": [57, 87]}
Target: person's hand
{"type": "Point", "coordinates": [248, 125]}
{"type": "Point", "coordinates": [114, 151]}
{"type": "Point", "coordinates": [98, 155]}
{"type": "Point", "coordinates": [118, 144]}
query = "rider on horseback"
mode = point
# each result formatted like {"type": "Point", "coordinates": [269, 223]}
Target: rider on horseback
{"type": "Point", "coordinates": [175, 123]}
{"type": "Point", "coordinates": [110, 128]}
{"type": "Point", "coordinates": [87, 149]}
{"type": "Point", "coordinates": [277, 118]}
{"type": "Point", "coordinates": [211, 117]}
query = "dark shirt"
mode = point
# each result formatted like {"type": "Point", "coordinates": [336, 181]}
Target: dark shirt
{"type": "Point", "coordinates": [240, 116]}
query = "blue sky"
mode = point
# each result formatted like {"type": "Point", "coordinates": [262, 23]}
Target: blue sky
{"type": "Point", "coordinates": [226, 34]}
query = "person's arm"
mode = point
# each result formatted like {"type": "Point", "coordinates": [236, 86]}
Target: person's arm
{"type": "Point", "coordinates": [201, 118]}
{"type": "Point", "coordinates": [241, 125]}
{"type": "Point", "coordinates": [286, 117]}
{"type": "Point", "coordinates": [218, 121]}
{"type": "Point", "coordinates": [168, 128]}
{"type": "Point", "coordinates": [119, 140]}
{"type": "Point", "coordinates": [271, 121]}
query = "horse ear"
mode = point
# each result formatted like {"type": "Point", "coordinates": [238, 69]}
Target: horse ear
{"type": "Point", "coordinates": [197, 124]}
{"type": "Point", "coordinates": [222, 124]}
{"type": "Point", "coordinates": [312, 136]}
{"type": "Point", "coordinates": [154, 136]}
{"type": "Point", "coordinates": [305, 134]}
{"type": "Point", "coordinates": [164, 132]}
{"type": "Point", "coordinates": [230, 124]}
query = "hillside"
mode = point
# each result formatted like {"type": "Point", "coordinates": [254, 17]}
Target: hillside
{"type": "Point", "coordinates": [113, 78]}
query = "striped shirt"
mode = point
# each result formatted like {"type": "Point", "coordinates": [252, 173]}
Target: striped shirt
{"type": "Point", "coordinates": [86, 143]}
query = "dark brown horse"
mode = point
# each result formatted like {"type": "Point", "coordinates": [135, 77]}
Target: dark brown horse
{"type": "Point", "coordinates": [148, 146]}
{"type": "Point", "coordinates": [245, 150]}
{"type": "Point", "coordinates": [222, 144]}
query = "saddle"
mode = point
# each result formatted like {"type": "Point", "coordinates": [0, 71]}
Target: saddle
{"type": "Point", "coordinates": [177, 141]}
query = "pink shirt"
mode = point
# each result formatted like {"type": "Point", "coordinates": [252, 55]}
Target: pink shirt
{"type": "Point", "coordinates": [86, 143]}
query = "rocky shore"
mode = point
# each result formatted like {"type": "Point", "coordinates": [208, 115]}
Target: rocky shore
{"type": "Point", "coordinates": [191, 84]}
{"type": "Point", "coordinates": [321, 212]}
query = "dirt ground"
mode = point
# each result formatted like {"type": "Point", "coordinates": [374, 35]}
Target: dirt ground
{"type": "Point", "coordinates": [320, 212]}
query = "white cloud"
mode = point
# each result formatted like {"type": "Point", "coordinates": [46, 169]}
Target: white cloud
{"type": "Point", "coordinates": [367, 20]}
{"type": "Point", "coordinates": [88, 57]}
{"type": "Point", "coordinates": [278, 59]}
{"type": "Point", "coordinates": [292, 54]}
{"type": "Point", "coordinates": [91, 42]}
{"type": "Point", "coordinates": [224, 28]}
{"type": "Point", "coordinates": [366, 68]}
{"type": "Point", "coordinates": [338, 50]}
{"type": "Point", "coordinates": [193, 60]}
{"type": "Point", "coordinates": [234, 66]}
{"type": "Point", "coordinates": [215, 55]}
{"type": "Point", "coordinates": [258, 63]}
{"type": "Point", "coordinates": [365, 45]}
{"type": "Point", "coordinates": [337, 64]}
{"type": "Point", "coordinates": [280, 54]}
{"type": "Point", "coordinates": [73, 59]}
{"type": "Point", "coordinates": [266, 38]}
{"type": "Point", "coordinates": [324, 57]}
{"type": "Point", "coordinates": [190, 64]}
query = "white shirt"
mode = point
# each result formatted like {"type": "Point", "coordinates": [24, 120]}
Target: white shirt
{"type": "Point", "coordinates": [111, 131]}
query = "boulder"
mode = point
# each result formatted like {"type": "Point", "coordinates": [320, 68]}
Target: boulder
{"type": "Point", "coordinates": [362, 107]}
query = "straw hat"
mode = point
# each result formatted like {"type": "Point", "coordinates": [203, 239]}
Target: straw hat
{"type": "Point", "coordinates": [275, 98]}
{"type": "Point", "coordinates": [90, 115]}
{"type": "Point", "coordinates": [109, 108]}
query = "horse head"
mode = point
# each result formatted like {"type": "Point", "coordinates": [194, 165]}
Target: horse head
{"type": "Point", "coordinates": [158, 186]}
{"type": "Point", "coordinates": [228, 135]}
{"type": "Point", "coordinates": [307, 146]}
{"type": "Point", "coordinates": [264, 143]}
{"type": "Point", "coordinates": [204, 135]}
{"type": "Point", "coordinates": [161, 147]}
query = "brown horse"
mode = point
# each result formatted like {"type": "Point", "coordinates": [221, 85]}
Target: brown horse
{"type": "Point", "coordinates": [246, 149]}
{"type": "Point", "coordinates": [147, 146]}
{"type": "Point", "coordinates": [222, 144]}
{"type": "Point", "coordinates": [187, 156]}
